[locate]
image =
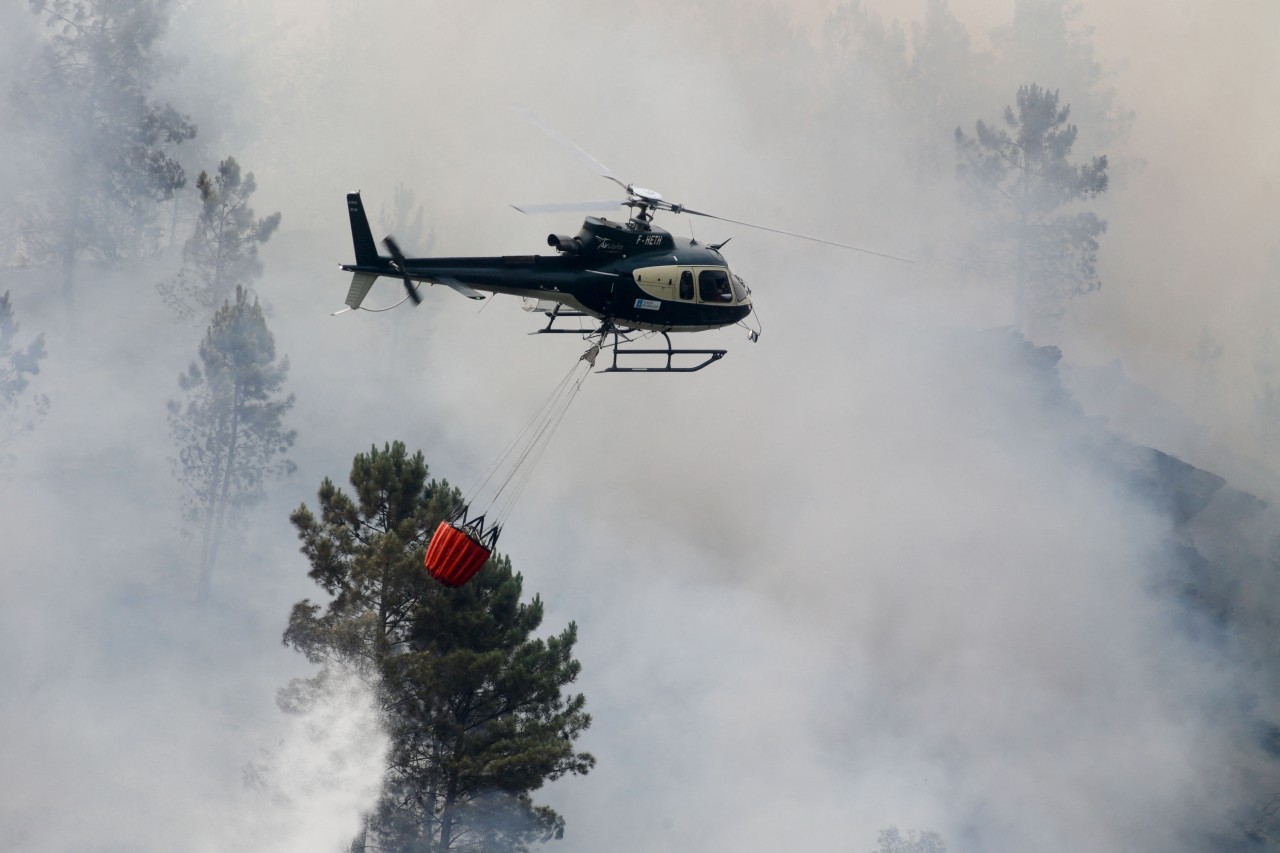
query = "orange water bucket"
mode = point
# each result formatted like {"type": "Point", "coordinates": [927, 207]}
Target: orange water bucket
{"type": "Point", "coordinates": [453, 556]}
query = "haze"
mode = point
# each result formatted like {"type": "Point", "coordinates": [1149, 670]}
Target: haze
{"type": "Point", "coordinates": [844, 579]}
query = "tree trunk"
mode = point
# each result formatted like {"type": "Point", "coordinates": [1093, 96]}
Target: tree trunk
{"type": "Point", "coordinates": [446, 816]}
{"type": "Point", "coordinates": [220, 506]}
{"type": "Point", "coordinates": [220, 289]}
{"type": "Point", "coordinates": [70, 235]}
{"type": "Point", "coordinates": [383, 650]}
{"type": "Point", "coordinates": [1020, 266]}
{"type": "Point", "coordinates": [359, 844]}
{"type": "Point", "coordinates": [1020, 279]}
{"type": "Point", "coordinates": [206, 534]}
{"type": "Point", "coordinates": [432, 795]}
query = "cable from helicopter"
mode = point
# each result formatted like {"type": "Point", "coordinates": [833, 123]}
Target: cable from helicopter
{"type": "Point", "coordinates": [463, 542]}
{"type": "Point", "coordinates": [633, 277]}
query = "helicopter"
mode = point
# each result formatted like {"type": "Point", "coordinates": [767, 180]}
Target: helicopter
{"type": "Point", "coordinates": [631, 277]}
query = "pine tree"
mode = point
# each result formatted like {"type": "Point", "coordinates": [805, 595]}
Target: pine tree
{"type": "Point", "coordinates": [1047, 40]}
{"type": "Point", "coordinates": [907, 89]}
{"type": "Point", "coordinates": [229, 430]}
{"type": "Point", "coordinates": [1027, 192]}
{"type": "Point", "coordinates": [18, 414]}
{"type": "Point", "coordinates": [222, 253]}
{"type": "Point", "coordinates": [473, 702]}
{"type": "Point", "coordinates": [106, 145]}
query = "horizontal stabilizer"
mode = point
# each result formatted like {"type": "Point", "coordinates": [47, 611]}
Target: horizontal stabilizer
{"type": "Point", "coordinates": [360, 284]}
{"type": "Point", "coordinates": [460, 287]}
{"type": "Point", "coordinates": [539, 305]}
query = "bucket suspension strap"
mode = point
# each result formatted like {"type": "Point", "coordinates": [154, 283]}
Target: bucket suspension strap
{"type": "Point", "coordinates": [475, 527]}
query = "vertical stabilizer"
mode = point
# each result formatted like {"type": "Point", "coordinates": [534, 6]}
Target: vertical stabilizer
{"type": "Point", "coordinates": [366, 249]}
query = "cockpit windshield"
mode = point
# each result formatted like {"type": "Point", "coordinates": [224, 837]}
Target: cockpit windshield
{"type": "Point", "coordinates": [714, 286]}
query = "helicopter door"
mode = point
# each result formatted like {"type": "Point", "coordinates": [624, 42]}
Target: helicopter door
{"type": "Point", "coordinates": [686, 284]}
{"type": "Point", "coordinates": [657, 282]}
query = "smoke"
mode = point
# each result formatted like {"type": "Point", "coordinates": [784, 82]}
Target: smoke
{"type": "Point", "coordinates": [138, 718]}
{"type": "Point", "coordinates": [908, 604]}
{"type": "Point", "coordinates": [326, 770]}
{"type": "Point", "coordinates": [863, 572]}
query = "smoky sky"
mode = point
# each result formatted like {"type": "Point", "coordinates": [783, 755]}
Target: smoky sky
{"type": "Point", "coordinates": [851, 576]}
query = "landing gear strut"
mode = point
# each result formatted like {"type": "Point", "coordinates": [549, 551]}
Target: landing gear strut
{"type": "Point", "coordinates": [665, 358]}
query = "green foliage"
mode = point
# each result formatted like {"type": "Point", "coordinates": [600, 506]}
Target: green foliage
{"type": "Point", "coordinates": [105, 143]}
{"type": "Point", "coordinates": [222, 253]}
{"type": "Point", "coordinates": [473, 702]}
{"type": "Point", "coordinates": [365, 552]}
{"type": "Point", "coordinates": [898, 92]}
{"type": "Point", "coordinates": [1045, 40]}
{"type": "Point", "coordinates": [229, 430]}
{"type": "Point", "coordinates": [892, 840]}
{"type": "Point", "coordinates": [1019, 179]}
{"type": "Point", "coordinates": [18, 415]}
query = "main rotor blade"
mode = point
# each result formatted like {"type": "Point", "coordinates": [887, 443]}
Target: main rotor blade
{"type": "Point", "coordinates": [600, 168]}
{"type": "Point", "coordinates": [397, 258]}
{"type": "Point", "coordinates": [569, 206]}
{"type": "Point", "coordinates": [794, 234]}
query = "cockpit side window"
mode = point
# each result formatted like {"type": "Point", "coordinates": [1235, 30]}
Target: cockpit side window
{"type": "Point", "coordinates": [713, 286]}
{"type": "Point", "coordinates": [686, 284]}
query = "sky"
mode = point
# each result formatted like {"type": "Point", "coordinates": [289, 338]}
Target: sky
{"type": "Point", "coordinates": [849, 577]}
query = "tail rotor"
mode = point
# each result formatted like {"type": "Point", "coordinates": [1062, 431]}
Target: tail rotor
{"type": "Point", "coordinates": [398, 264]}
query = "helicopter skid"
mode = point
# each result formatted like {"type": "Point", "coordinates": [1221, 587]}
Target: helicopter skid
{"type": "Point", "coordinates": [664, 357]}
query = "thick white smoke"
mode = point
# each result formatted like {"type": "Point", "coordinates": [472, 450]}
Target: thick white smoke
{"type": "Point", "coordinates": [860, 573]}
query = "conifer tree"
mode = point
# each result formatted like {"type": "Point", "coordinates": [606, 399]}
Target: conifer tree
{"type": "Point", "coordinates": [1028, 195]}
{"type": "Point", "coordinates": [18, 414]}
{"type": "Point", "coordinates": [472, 701]}
{"type": "Point", "coordinates": [222, 253]}
{"type": "Point", "coordinates": [229, 431]}
{"type": "Point", "coordinates": [106, 145]}
{"type": "Point", "coordinates": [1049, 40]}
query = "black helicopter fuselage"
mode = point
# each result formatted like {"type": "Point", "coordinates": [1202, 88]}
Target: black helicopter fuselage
{"type": "Point", "coordinates": [634, 275]}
